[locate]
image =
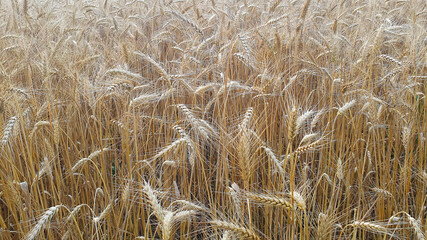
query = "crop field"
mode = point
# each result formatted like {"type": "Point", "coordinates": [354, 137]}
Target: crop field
{"type": "Point", "coordinates": [213, 119]}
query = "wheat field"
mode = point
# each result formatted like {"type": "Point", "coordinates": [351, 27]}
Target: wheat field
{"type": "Point", "coordinates": [213, 119]}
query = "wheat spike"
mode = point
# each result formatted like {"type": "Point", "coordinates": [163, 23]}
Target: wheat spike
{"type": "Point", "coordinates": [382, 192]}
{"type": "Point", "coordinates": [316, 119]}
{"type": "Point", "coordinates": [415, 224]}
{"type": "Point", "coordinates": [390, 59]}
{"type": "Point", "coordinates": [308, 137]}
{"type": "Point", "coordinates": [143, 100]}
{"type": "Point", "coordinates": [203, 128]}
{"type": "Point", "coordinates": [269, 200]}
{"type": "Point", "coordinates": [46, 169]}
{"type": "Point", "coordinates": [227, 235]}
{"type": "Point", "coordinates": [406, 134]}
{"type": "Point", "coordinates": [301, 120]}
{"type": "Point", "coordinates": [244, 155]}
{"type": "Point", "coordinates": [43, 221]}
{"type": "Point", "coordinates": [299, 200]}
{"type": "Point", "coordinates": [167, 223]}
{"type": "Point", "coordinates": [346, 107]}
{"type": "Point", "coordinates": [7, 133]}
{"type": "Point", "coordinates": [82, 161]}
{"type": "Point", "coordinates": [156, 65]}
{"type": "Point", "coordinates": [190, 144]}
{"type": "Point", "coordinates": [292, 117]}
{"type": "Point", "coordinates": [391, 74]}
{"type": "Point", "coordinates": [369, 226]}
{"type": "Point", "coordinates": [103, 214]}
{"type": "Point", "coordinates": [152, 199]}
{"type": "Point", "coordinates": [38, 125]}
{"type": "Point", "coordinates": [234, 191]}
{"type": "Point", "coordinates": [274, 159]}
{"type": "Point", "coordinates": [126, 73]}
{"type": "Point", "coordinates": [308, 147]}
{"type": "Point", "coordinates": [76, 211]}
{"type": "Point", "coordinates": [188, 21]}
{"type": "Point", "coordinates": [170, 220]}
{"type": "Point", "coordinates": [340, 171]}
{"type": "Point", "coordinates": [239, 230]}
{"type": "Point", "coordinates": [170, 148]}
{"type": "Point", "coordinates": [187, 204]}
{"type": "Point", "coordinates": [56, 132]}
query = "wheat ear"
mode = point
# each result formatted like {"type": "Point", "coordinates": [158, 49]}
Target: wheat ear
{"type": "Point", "coordinates": [156, 66]}
{"type": "Point", "coordinates": [243, 232]}
{"type": "Point", "coordinates": [269, 200]}
{"type": "Point", "coordinates": [44, 220]}
{"type": "Point", "coordinates": [369, 226]}
{"type": "Point", "coordinates": [8, 130]}
{"type": "Point", "coordinates": [82, 161]}
{"type": "Point", "coordinates": [292, 117]}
